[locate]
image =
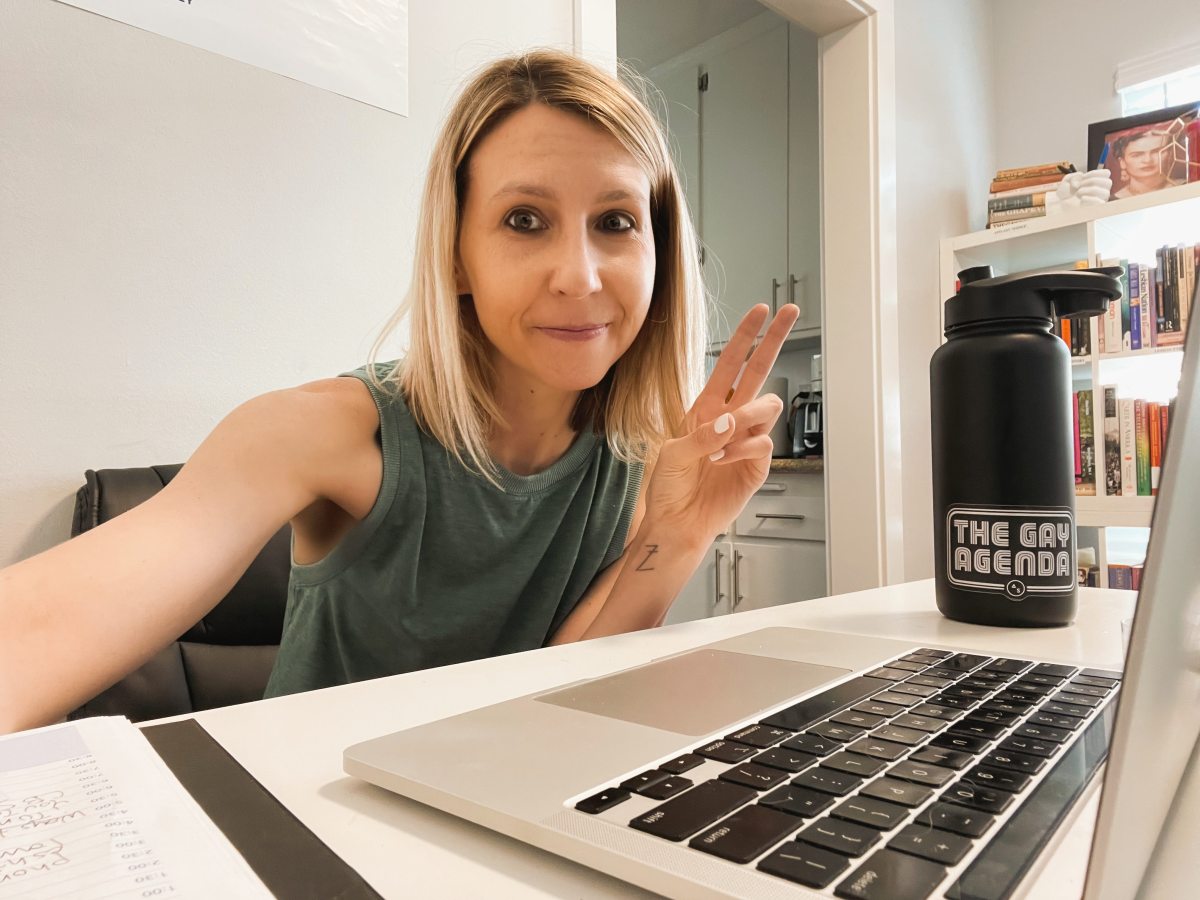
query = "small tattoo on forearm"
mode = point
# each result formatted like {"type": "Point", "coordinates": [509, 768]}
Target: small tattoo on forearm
{"type": "Point", "coordinates": [644, 565]}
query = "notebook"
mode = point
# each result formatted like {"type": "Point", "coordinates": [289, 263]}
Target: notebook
{"type": "Point", "coordinates": [797, 763]}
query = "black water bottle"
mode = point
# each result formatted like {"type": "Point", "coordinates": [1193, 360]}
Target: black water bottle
{"type": "Point", "coordinates": [1003, 446]}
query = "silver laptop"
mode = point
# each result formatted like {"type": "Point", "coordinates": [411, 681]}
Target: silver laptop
{"type": "Point", "coordinates": [796, 763]}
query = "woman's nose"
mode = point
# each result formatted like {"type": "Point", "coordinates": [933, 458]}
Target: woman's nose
{"type": "Point", "coordinates": [575, 268]}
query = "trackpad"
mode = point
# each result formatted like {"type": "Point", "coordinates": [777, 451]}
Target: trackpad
{"type": "Point", "coordinates": [695, 693]}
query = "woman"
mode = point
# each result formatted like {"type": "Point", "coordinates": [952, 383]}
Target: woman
{"type": "Point", "coordinates": [528, 473]}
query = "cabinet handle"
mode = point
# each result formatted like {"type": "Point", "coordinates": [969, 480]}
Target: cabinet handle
{"type": "Point", "coordinates": [772, 487]}
{"type": "Point", "coordinates": [792, 279]}
{"type": "Point", "coordinates": [737, 580]}
{"type": "Point", "coordinates": [775, 286]}
{"type": "Point", "coordinates": [796, 516]}
{"type": "Point", "coordinates": [720, 595]}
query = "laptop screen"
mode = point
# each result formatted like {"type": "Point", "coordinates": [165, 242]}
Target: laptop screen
{"type": "Point", "coordinates": [1158, 715]}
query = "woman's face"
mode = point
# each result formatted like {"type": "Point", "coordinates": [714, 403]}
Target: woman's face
{"type": "Point", "coordinates": [1143, 157]}
{"type": "Point", "coordinates": [556, 248]}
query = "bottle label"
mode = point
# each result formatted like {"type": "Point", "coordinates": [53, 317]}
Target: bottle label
{"type": "Point", "coordinates": [1015, 551]}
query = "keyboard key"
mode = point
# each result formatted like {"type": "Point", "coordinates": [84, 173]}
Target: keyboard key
{"type": "Point", "coordinates": [754, 776]}
{"type": "Point", "coordinates": [828, 780]}
{"type": "Point", "coordinates": [1047, 680]}
{"type": "Point", "coordinates": [1029, 745]}
{"type": "Point", "coordinates": [977, 796]}
{"type": "Point", "coordinates": [833, 731]}
{"type": "Point", "coordinates": [1032, 687]}
{"type": "Point", "coordinates": [1114, 677]}
{"type": "Point", "coordinates": [1041, 717]}
{"type": "Point", "coordinates": [933, 844]}
{"type": "Point", "coordinates": [1042, 733]}
{"type": "Point", "coordinates": [727, 751]}
{"type": "Point", "coordinates": [682, 816]}
{"type": "Point", "coordinates": [811, 743]}
{"type": "Point", "coordinates": [788, 760]}
{"type": "Point", "coordinates": [989, 677]}
{"type": "Point", "coordinates": [800, 715]}
{"type": "Point", "coordinates": [921, 773]}
{"type": "Point", "coordinates": [606, 799]}
{"type": "Point", "coordinates": [665, 790]}
{"type": "Point", "coordinates": [891, 875]}
{"type": "Point", "coordinates": [1082, 687]}
{"type": "Point", "coordinates": [962, 690]}
{"type": "Point", "coordinates": [681, 764]}
{"type": "Point", "coordinates": [889, 674]}
{"type": "Point", "coordinates": [916, 690]}
{"type": "Point", "coordinates": [1012, 782]}
{"type": "Point", "coordinates": [1016, 762]}
{"type": "Point", "coordinates": [842, 837]}
{"type": "Point", "coordinates": [799, 801]}
{"type": "Point", "coordinates": [1077, 699]}
{"type": "Point", "coordinates": [920, 658]}
{"type": "Point", "coordinates": [958, 819]}
{"type": "Point", "coordinates": [870, 746]}
{"type": "Point", "coordinates": [1008, 666]}
{"type": "Point", "coordinates": [1011, 695]}
{"type": "Point", "coordinates": [1054, 707]}
{"type": "Point", "coordinates": [965, 742]}
{"type": "Point", "coordinates": [1018, 709]}
{"type": "Point", "coordinates": [875, 708]}
{"type": "Point", "coordinates": [940, 756]}
{"type": "Point", "coordinates": [982, 714]}
{"type": "Point", "coordinates": [745, 834]}
{"type": "Point", "coordinates": [928, 724]}
{"type": "Point", "coordinates": [931, 681]}
{"type": "Point", "coordinates": [936, 654]}
{"type": "Point", "coordinates": [646, 778]}
{"type": "Point", "coordinates": [1056, 670]}
{"type": "Point", "coordinates": [976, 728]}
{"type": "Point", "coordinates": [897, 698]}
{"type": "Point", "coordinates": [964, 662]}
{"type": "Point", "coordinates": [974, 681]}
{"type": "Point", "coordinates": [901, 792]}
{"type": "Point", "coordinates": [937, 711]}
{"type": "Point", "coordinates": [957, 701]}
{"type": "Point", "coordinates": [805, 864]}
{"type": "Point", "coordinates": [909, 665]}
{"type": "Point", "coordinates": [856, 719]}
{"type": "Point", "coordinates": [759, 736]}
{"type": "Point", "coordinates": [908, 736]}
{"type": "Point", "coordinates": [942, 672]}
{"type": "Point", "coordinates": [871, 812]}
{"type": "Point", "coordinates": [854, 764]}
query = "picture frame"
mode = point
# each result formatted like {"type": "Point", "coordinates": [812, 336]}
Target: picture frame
{"type": "Point", "coordinates": [1145, 152]}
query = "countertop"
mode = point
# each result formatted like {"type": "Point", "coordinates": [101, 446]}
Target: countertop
{"type": "Point", "coordinates": [808, 466]}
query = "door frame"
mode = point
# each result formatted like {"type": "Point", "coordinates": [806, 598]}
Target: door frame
{"type": "Point", "coordinates": [860, 324]}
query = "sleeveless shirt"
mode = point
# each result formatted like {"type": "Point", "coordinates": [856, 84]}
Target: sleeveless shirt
{"type": "Point", "coordinates": [447, 567]}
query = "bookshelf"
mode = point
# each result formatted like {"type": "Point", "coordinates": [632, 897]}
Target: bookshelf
{"type": "Point", "coordinates": [1129, 229]}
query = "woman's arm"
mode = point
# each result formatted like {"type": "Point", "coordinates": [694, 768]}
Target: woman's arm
{"type": "Point", "coordinates": [81, 615]}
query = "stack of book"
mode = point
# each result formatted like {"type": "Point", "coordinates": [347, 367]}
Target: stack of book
{"type": "Point", "coordinates": [1135, 435]}
{"type": "Point", "coordinates": [1155, 304]}
{"type": "Point", "coordinates": [1076, 333]}
{"type": "Point", "coordinates": [1020, 194]}
{"type": "Point", "coordinates": [1125, 578]}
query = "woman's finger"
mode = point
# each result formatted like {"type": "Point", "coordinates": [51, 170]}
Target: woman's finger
{"type": "Point", "coordinates": [760, 413]}
{"type": "Point", "coordinates": [755, 447]}
{"type": "Point", "coordinates": [708, 440]}
{"type": "Point", "coordinates": [758, 367]}
{"type": "Point", "coordinates": [733, 357]}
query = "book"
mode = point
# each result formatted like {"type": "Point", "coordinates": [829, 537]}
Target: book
{"type": "Point", "coordinates": [1141, 432]}
{"type": "Point", "coordinates": [1036, 190]}
{"type": "Point", "coordinates": [1017, 201]}
{"type": "Point", "coordinates": [1047, 180]}
{"type": "Point", "coordinates": [1086, 482]}
{"type": "Point", "coordinates": [1128, 448]}
{"type": "Point", "coordinates": [1120, 577]}
{"type": "Point", "coordinates": [1154, 427]}
{"type": "Point", "coordinates": [1110, 322]}
{"type": "Point", "coordinates": [1005, 215]}
{"type": "Point", "coordinates": [1149, 331]}
{"type": "Point", "coordinates": [1124, 264]}
{"type": "Point", "coordinates": [1112, 442]}
{"type": "Point", "coordinates": [1060, 168]}
{"type": "Point", "coordinates": [1075, 435]}
{"type": "Point", "coordinates": [1135, 309]}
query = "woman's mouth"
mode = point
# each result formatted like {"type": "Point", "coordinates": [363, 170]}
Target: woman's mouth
{"type": "Point", "coordinates": [584, 332]}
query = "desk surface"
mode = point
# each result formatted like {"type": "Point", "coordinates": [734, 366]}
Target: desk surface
{"type": "Point", "coordinates": [293, 745]}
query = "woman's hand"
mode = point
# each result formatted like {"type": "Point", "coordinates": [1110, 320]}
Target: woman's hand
{"type": "Point", "coordinates": [703, 479]}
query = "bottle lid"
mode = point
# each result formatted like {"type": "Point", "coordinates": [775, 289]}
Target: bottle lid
{"type": "Point", "coordinates": [1042, 294]}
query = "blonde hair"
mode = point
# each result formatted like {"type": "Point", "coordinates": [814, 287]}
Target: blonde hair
{"type": "Point", "coordinates": [446, 376]}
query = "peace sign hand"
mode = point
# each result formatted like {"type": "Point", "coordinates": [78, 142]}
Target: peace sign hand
{"type": "Point", "coordinates": [703, 479]}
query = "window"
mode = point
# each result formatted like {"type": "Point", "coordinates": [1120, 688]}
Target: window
{"type": "Point", "coordinates": [1163, 79]}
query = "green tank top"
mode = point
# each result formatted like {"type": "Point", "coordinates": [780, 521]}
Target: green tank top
{"type": "Point", "coordinates": [446, 567]}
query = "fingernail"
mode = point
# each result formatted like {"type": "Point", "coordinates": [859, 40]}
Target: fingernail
{"type": "Point", "coordinates": [722, 424]}
{"type": "Point", "coordinates": [716, 456]}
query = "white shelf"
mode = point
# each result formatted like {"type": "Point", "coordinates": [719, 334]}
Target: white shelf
{"type": "Point", "coordinates": [1125, 512]}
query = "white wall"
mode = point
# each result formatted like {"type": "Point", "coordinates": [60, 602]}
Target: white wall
{"type": "Point", "coordinates": [650, 32]}
{"type": "Point", "coordinates": [180, 232]}
{"type": "Point", "coordinates": [1058, 58]}
{"type": "Point", "coordinates": [945, 156]}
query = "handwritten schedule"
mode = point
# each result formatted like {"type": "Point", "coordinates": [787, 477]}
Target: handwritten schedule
{"type": "Point", "coordinates": [88, 811]}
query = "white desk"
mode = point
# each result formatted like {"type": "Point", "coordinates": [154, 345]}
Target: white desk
{"type": "Point", "coordinates": [293, 745]}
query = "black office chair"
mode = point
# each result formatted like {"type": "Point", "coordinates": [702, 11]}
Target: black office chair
{"type": "Point", "coordinates": [224, 658]}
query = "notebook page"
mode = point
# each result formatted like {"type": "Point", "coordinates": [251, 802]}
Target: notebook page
{"type": "Point", "coordinates": [88, 811]}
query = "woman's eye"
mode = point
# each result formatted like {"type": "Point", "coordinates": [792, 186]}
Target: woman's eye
{"type": "Point", "coordinates": [524, 220]}
{"type": "Point", "coordinates": [617, 221]}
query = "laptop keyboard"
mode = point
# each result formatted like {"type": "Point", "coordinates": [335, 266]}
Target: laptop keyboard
{"type": "Point", "coordinates": [888, 785]}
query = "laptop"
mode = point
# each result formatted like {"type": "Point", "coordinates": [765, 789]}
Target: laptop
{"type": "Point", "coordinates": [796, 763]}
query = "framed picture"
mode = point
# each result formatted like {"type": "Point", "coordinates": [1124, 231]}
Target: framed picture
{"type": "Point", "coordinates": [1146, 152]}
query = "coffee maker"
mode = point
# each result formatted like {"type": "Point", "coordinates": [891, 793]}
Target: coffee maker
{"type": "Point", "coordinates": [806, 422]}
